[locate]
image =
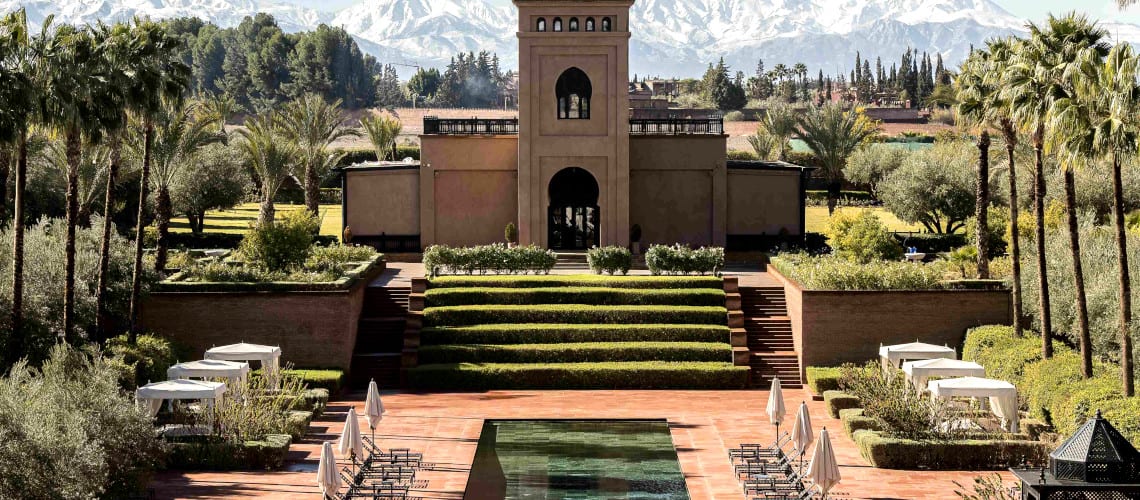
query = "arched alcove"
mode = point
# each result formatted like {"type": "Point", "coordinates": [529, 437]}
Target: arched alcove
{"type": "Point", "coordinates": [573, 217]}
{"type": "Point", "coordinates": [573, 90]}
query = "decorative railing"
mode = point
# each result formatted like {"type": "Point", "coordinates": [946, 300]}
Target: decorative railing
{"type": "Point", "coordinates": [676, 126]}
{"type": "Point", "coordinates": [470, 126]}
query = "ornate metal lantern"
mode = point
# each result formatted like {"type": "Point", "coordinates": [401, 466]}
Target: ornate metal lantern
{"type": "Point", "coordinates": [1096, 453]}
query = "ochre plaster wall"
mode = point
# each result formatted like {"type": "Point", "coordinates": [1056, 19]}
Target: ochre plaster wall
{"type": "Point", "coordinates": [468, 188]}
{"type": "Point", "coordinates": [677, 189]}
{"type": "Point", "coordinates": [763, 202]}
{"type": "Point", "coordinates": [383, 202]}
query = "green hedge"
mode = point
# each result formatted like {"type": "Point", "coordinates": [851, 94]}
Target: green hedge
{"type": "Point", "coordinates": [822, 379]}
{"type": "Point", "coordinates": [207, 240]}
{"type": "Point", "coordinates": [933, 242]}
{"type": "Point", "coordinates": [1004, 356]}
{"type": "Point", "coordinates": [535, 333]}
{"type": "Point", "coordinates": [894, 453]}
{"type": "Point", "coordinates": [634, 375]}
{"type": "Point", "coordinates": [496, 258]}
{"type": "Point", "coordinates": [610, 260]}
{"type": "Point", "coordinates": [573, 313]}
{"type": "Point", "coordinates": [587, 280]}
{"type": "Point", "coordinates": [854, 420]}
{"type": "Point", "coordinates": [297, 422]}
{"type": "Point", "coordinates": [837, 400]}
{"type": "Point", "coordinates": [313, 400]}
{"type": "Point", "coordinates": [200, 454]}
{"type": "Point", "coordinates": [680, 260]}
{"type": "Point", "coordinates": [331, 380]}
{"type": "Point", "coordinates": [575, 352]}
{"type": "Point", "coordinates": [439, 297]}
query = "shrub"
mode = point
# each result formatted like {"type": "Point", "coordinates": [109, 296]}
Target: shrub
{"type": "Point", "coordinates": [1050, 384]}
{"type": "Point", "coordinates": [578, 281]}
{"type": "Point", "coordinates": [554, 334]}
{"type": "Point", "coordinates": [313, 400]}
{"type": "Point", "coordinates": [216, 271]}
{"type": "Point", "coordinates": [496, 258]}
{"type": "Point", "coordinates": [331, 380]}
{"type": "Point", "coordinates": [896, 453]}
{"type": "Point", "coordinates": [932, 242]}
{"type": "Point", "coordinates": [741, 155]}
{"type": "Point", "coordinates": [904, 410]}
{"type": "Point", "coordinates": [821, 380]}
{"type": "Point", "coordinates": [854, 420]}
{"type": "Point", "coordinates": [511, 233]}
{"type": "Point", "coordinates": [632, 375]}
{"type": "Point", "coordinates": [254, 409]}
{"type": "Point", "coordinates": [69, 431]}
{"type": "Point", "coordinates": [331, 260]}
{"type": "Point", "coordinates": [734, 116]}
{"type": "Point", "coordinates": [862, 237]}
{"type": "Point", "coordinates": [437, 297]}
{"type": "Point", "coordinates": [1004, 355]}
{"type": "Point", "coordinates": [576, 352]}
{"type": "Point", "coordinates": [297, 423]}
{"type": "Point", "coordinates": [680, 259]}
{"type": "Point", "coordinates": [267, 453]}
{"type": "Point", "coordinates": [834, 273]}
{"type": "Point", "coordinates": [147, 360]}
{"type": "Point", "coordinates": [573, 313]}
{"type": "Point", "coordinates": [838, 400]}
{"type": "Point", "coordinates": [282, 245]}
{"type": "Point", "coordinates": [610, 260]}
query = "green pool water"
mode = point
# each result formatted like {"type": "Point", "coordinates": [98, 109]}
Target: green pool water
{"type": "Point", "coordinates": [576, 459]}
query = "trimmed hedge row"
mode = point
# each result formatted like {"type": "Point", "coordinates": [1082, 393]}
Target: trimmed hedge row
{"type": "Point", "coordinates": [822, 379]}
{"type": "Point", "coordinates": [265, 454]}
{"type": "Point", "coordinates": [573, 313]}
{"type": "Point", "coordinates": [331, 380]}
{"type": "Point", "coordinates": [895, 453]}
{"type": "Point", "coordinates": [496, 258]}
{"type": "Point", "coordinates": [854, 420]}
{"type": "Point", "coordinates": [837, 401]}
{"type": "Point", "coordinates": [440, 297]}
{"type": "Point", "coordinates": [633, 375]}
{"type": "Point", "coordinates": [207, 240]}
{"type": "Point", "coordinates": [610, 260]}
{"type": "Point", "coordinates": [575, 352]}
{"type": "Point", "coordinates": [535, 333]}
{"type": "Point", "coordinates": [680, 259]}
{"type": "Point", "coordinates": [579, 280]}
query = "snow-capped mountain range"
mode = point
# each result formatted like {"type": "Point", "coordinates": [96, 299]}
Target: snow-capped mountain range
{"type": "Point", "coordinates": [670, 37]}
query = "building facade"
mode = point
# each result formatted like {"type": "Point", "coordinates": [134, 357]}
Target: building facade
{"type": "Point", "coordinates": [577, 168]}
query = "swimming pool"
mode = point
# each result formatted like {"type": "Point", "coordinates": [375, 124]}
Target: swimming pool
{"type": "Point", "coordinates": [576, 459]}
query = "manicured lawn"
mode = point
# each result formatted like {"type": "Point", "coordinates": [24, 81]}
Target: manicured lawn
{"type": "Point", "coordinates": [817, 217]}
{"type": "Point", "coordinates": [238, 219]}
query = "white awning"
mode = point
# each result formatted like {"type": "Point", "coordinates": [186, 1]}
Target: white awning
{"type": "Point", "coordinates": [1002, 395]}
{"type": "Point", "coordinates": [918, 372]}
{"type": "Point", "coordinates": [209, 368]}
{"type": "Point", "coordinates": [894, 355]}
{"type": "Point", "coordinates": [269, 356]}
{"type": "Point", "coordinates": [153, 394]}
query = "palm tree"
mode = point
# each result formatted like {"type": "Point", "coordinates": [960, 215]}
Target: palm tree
{"type": "Point", "coordinates": [780, 123]}
{"type": "Point", "coordinates": [313, 124]}
{"type": "Point", "coordinates": [181, 130]}
{"type": "Point", "coordinates": [382, 133]}
{"type": "Point", "coordinates": [271, 157]}
{"type": "Point", "coordinates": [833, 133]}
{"type": "Point", "coordinates": [977, 106]}
{"type": "Point", "coordinates": [224, 107]}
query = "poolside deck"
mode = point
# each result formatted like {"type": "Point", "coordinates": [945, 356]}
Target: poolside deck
{"type": "Point", "coordinates": [446, 426]}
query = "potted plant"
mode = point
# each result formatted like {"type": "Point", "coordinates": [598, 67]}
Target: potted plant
{"type": "Point", "coordinates": [635, 239]}
{"type": "Point", "coordinates": [512, 234]}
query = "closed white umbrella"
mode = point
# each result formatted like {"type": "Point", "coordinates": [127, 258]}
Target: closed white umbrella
{"type": "Point", "coordinates": [824, 469]}
{"type": "Point", "coordinates": [328, 479]}
{"type": "Point", "coordinates": [350, 444]}
{"type": "Point", "coordinates": [373, 407]}
{"type": "Point", "coordinates": [775, 408]}
{"type": "Point", "coordinates": [802, 435]}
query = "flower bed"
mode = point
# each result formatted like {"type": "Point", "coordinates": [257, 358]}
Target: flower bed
{"type": "Point", "coordinates": [578, 281]}
{"type": "Point", "coordinates": [496, 258]}
{"type": "Point", "coordinates": [239, 278]}
{"type": "Point", "coordinates": [680, 260]}
{"type": "Point", "coordinates": [835, 273]}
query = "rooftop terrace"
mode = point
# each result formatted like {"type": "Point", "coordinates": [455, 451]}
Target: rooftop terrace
{"type": "Point", "coordinates": [510, 126]}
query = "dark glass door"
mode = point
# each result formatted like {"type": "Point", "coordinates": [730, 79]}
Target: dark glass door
{"type": "Point", "coordinates": [572, 228]}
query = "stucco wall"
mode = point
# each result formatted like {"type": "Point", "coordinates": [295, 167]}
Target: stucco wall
{"type": "Point", "coordinates": [383, 202]}
{"type": "Point", "coordinates": [763, 202]}
{"type": "Point", "coordinates": [677, 189]}
{"type": "Point", "coordinates": [835, 327]}
{"type": "Point", "coordinates": [468, 188]}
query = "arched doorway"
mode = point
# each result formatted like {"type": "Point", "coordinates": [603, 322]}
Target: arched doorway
{"type": "Point", "coordinates": [573, 216]}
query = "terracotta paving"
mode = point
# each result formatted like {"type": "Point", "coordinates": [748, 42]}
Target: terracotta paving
{"type": "Point", "coordinates": [446, 426]}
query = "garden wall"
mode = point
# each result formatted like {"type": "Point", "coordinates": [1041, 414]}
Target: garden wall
{"type": "Point", "coordinates": [313, 328]}
{"type": "Point", "coordinates": [834, 327]}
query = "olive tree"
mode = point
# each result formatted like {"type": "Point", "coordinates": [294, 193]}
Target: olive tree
{"type": "Point", "coordinates": [933, 187]}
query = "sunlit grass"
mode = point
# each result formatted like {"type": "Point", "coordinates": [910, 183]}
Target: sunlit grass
{"type": "Point", "coordinates": [238, 219]}
{"type": "Point", "coordinates": [817, 217]}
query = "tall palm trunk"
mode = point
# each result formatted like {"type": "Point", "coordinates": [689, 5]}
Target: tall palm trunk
{"type": "Point", "coordinates": [140, 229]}
{"type": "Point", "coordinates": [163, 212]}
{"type": "Point", "coordinates": [312, 190]}
{"type": "Point", "coordinates": [1126, 369]}
{"type": "Point", "coordinates": [982, 204]}
{"type": "Point", "coordinates": [1014, 243]}
{"type": "Point", "coordinates": [267, 212]}
{"type": "Point", "coordinates": [16, 341]}
{"type": "Point", "coordinates": [74, 151]}
{"type": "Point", "coordinates": [5, 172]}
{"type": "Point", "coordinates": [834, 189]}
{"type": "Point", "coordinates": [1042, 265]}
{"type": "Point", "coordinates": [101, 327]}
{"type": "Point", "coordinates": [1078, 273]}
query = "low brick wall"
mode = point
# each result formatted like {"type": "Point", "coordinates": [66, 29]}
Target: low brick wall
{"type": "Point", "coordinates": [834, 327]}
{"type": "Point", "coordinates": [313, 329]}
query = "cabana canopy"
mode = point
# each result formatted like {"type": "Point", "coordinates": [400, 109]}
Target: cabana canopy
{"type": "Point", "coordinates": [209, 368]}
{"type": "Point", "coordinates": [894, 355]}
{"type": "Point", "coordinates": [269, 356]}
{"type": "Point", "coordinates": [919, 371]}
{"type": "Point", "coordinates": [153, 394]}
{"type": "Point", "coordinates": [1002, 394]}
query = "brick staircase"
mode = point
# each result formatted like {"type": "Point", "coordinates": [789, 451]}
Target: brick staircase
{"type": "Point", "coordinates": [380, 336]}
{"type": "Point", "coordinates": [769, 334]}
{"type": "Point", "coordinates": [572, 261]}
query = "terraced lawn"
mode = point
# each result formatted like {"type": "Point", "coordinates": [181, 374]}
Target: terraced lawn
{"type": "Point", "coordinates": [816, 218]}
{"type": "Point", "coordinates": [238, 219]}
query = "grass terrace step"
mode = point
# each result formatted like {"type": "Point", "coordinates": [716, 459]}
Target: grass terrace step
{"type": "Point", "coordinates": [576, 352]}
{"type": "Point", "coordinates": [438, 297]}
{"type": "Point", "coordinates": [621, 375]}
{"type": "Point", "coordinates": [548, 333]}
{"type": "Point", "coordinates": [573, 313]}
{"type": "Point", "coordinates": [578, 280]}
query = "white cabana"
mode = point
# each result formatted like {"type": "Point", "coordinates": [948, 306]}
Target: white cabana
{"type": "Point", "coordinates": [918, 372]}
{"type": "Point", "coordinates": [1002, 395]}
{"type": "Point", "coordinates": [152, 395]}
{"type": "Point", "coordinates": [269, 356]}
{"type": "Point", "coordinates": [894, 355]}
{"type": "Point", "coordinates": [209, 368]}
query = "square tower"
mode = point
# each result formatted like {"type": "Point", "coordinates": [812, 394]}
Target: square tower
{"type": "Point", "coordinates": [573, 122]}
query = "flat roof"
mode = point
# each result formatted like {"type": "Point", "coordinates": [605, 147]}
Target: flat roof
{"type": "Point", "coordinates": [765, 165]}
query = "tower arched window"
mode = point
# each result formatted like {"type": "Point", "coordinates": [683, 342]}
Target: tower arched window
{"type": "Point", "coordinates": [607, 24]}
{"type": "Point", "coordinates": [573, 24]}
{"type": "Point", "coordinates": [540, 25]}
{"type": "Point", "coordinates": [573, 90]}
{"type": "Point", "coordinates": [589, 24]}
{"type": "Point", "coordinates": [558, 24]}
